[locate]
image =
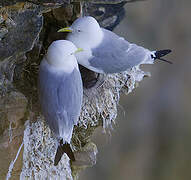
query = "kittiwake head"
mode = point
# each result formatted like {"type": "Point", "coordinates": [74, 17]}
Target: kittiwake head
{"type": "Point", "coordinates": [85, 32]}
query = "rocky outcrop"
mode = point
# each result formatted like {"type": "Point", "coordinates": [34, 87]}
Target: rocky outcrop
{"type": "Point", "coordinates": [27, 146]}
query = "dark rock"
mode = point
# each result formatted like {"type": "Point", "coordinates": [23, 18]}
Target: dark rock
{"type": "Point", "coordinates": [113, 1]}
{"type": "Point", "coordinates": [108, 15]}
{"type": "Point", "coordinates": [4, 3]}
{"type": "Point", "coordinates": [23, 27]}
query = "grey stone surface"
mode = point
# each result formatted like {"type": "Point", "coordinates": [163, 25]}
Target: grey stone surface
{"type": "Point", "coordinates": [4, 3]}
{"type": "Point", "coordinates": [22, 28]}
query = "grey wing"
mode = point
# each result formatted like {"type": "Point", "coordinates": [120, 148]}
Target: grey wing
{"type": "Point", "coordinates": [71, 92]}
{"type": "Point", "coordinates": [47, 91]}
{"type": "Point", "coordinates": [61, 99]}
{"type": "Point", "coordinates": [115, 54]}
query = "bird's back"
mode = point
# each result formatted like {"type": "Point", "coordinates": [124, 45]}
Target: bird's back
{"type": "Point", "coordinates": [60, 96]}
{"type": "Point", "coordinates": [115, 54]}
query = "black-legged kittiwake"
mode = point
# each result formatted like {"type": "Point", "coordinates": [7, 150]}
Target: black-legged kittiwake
{"type": "Point", "coordinates": [104, 51]}
{"type": "Point", "coordinates": [60, 93]}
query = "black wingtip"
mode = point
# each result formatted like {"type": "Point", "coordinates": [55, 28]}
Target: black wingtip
{"type": "Point", "coordinates": [162, 53]}
{"type": "Point", "coordinates": [63, 148]}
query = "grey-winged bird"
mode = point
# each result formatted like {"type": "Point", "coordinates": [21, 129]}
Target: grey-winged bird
{"type": "Point", "coordinates": [60, 93]}
{"type": "Point", "coordinates": [104, 51]}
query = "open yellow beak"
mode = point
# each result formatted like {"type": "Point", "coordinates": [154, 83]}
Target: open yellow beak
{"type": "Point", "coordinates": [66, 29]}
{"type": "Point", "coordinates": [78, 50]}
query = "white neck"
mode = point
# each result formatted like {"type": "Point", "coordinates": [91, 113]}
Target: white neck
{"type": "Point", "coordinates": [63, 66]}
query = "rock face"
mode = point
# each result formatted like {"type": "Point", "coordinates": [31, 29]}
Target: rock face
{"type": "Point", "coordinates": [27, 146]}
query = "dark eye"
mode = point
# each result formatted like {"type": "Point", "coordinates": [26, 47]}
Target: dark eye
{"type": "Point", "coordinates": [79, 30]}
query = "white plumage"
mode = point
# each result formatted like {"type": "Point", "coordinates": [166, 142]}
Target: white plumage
{"type": "Point", "coordinates": [104, 51]}
{"type": "Point", "coordinates": [60, 93]}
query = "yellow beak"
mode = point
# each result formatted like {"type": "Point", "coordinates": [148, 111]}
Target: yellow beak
{"type": "Point", "coordinates": [78, 50]}
{"type": "Point", "coordinates": [66, 29]}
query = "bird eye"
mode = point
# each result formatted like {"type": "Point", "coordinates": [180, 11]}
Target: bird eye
{"type": "Point", "coordinates": [79, 30]}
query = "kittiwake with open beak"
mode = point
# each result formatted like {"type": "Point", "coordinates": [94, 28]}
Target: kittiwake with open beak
{"type": "Point", "coordinates": [104, 51]}
{"type": "Point", "coordinates": [60, 93]}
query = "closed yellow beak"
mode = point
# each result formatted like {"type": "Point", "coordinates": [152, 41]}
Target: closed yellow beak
{"type": "Point", "coordinates": [66, 29]}
{"type": "Point", "coordinates": [78, 50]}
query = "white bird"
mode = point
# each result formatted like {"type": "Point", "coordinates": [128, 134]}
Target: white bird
{"type": "Point", "coordinates": [104, 51]}
{"type": "Point", "coordinates": [60, 93]}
